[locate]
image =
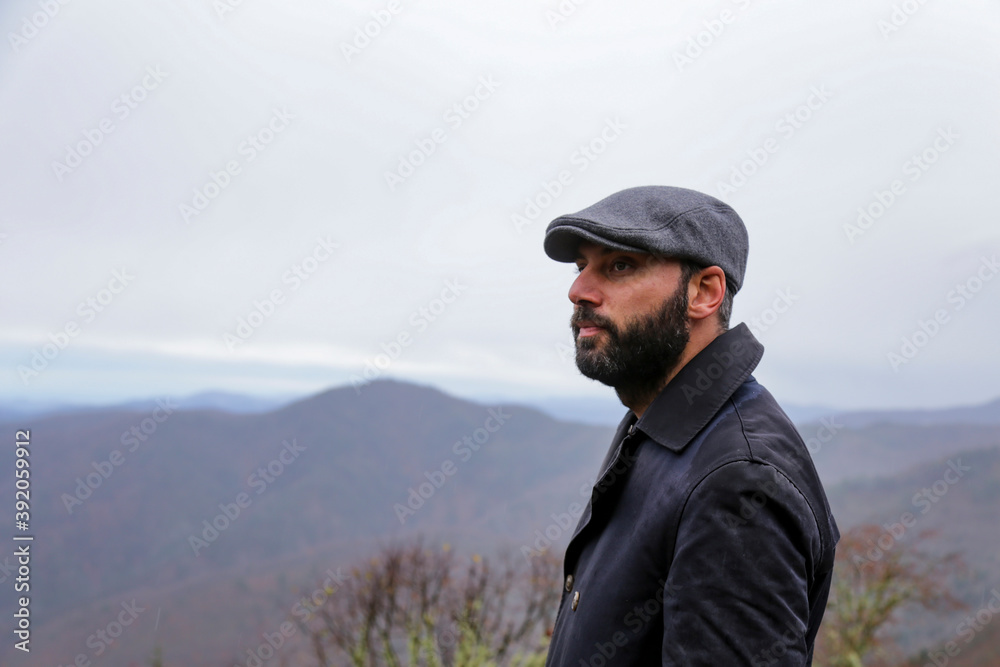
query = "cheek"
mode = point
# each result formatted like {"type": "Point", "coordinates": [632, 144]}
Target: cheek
{"type": "Point", "coordinates": [637, 299]}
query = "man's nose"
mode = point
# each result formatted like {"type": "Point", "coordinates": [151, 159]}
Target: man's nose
{"type": "Point", "coordinates": [585, 289]}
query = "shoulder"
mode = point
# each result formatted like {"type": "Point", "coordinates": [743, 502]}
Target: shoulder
{"type": "Point", "coordinates": [755, 458]}
{"type": "Point", "coordinates": [752, 507]}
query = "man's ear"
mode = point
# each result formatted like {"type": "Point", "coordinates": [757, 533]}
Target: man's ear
{"type": "Point", "coordinates": [705, 292]}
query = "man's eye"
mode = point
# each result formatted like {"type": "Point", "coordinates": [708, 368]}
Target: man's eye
{"type": "Point", "coordinates": [579, 268]}
{"type": "Point", "coordinates": [620, 265]}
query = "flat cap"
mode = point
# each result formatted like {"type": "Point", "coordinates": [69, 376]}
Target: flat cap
{"type": "Point", "coordinates": [668, 221]}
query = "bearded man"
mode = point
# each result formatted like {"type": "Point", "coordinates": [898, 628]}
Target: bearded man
{"type": "Point", "coordinates": [708, 539]}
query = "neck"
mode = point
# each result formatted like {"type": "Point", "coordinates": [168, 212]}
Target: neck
{"type": "Point", "coordinates": [639, 398]}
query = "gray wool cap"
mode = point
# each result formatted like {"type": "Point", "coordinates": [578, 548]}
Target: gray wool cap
{"type": "Point", "coordinates": [674, 222]}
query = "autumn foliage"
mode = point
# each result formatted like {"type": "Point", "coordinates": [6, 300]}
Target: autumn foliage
{"type": "Point", "coordinates": [877, 576]}
{"type": "Point", "coordinates": [412, 605]}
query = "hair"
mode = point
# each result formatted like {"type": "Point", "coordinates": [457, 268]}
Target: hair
{"type": "Point", "coordinates": [689, 267]}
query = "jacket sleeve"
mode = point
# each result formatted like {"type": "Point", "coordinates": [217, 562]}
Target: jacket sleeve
{"type": "Point", "coordinates": [737, 589]}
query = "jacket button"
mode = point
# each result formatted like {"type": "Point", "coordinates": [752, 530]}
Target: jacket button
{"type": "Point", "coordinates": [576, 600]}
{"type": "Point", "coordinates": [569, 583]}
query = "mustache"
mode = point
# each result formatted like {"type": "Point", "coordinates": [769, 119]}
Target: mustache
{"type": "Point", "coordinates": [586, 314]}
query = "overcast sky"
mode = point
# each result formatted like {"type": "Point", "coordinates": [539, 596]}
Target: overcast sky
{"type": "Point", "coordinates": [169, 168]}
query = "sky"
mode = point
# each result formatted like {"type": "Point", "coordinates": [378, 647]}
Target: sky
{"type": "Point", "coordinates": [277, 197]}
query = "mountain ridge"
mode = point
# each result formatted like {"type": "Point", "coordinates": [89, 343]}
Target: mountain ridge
{"type": "Point", "coordinates": [324, 477]}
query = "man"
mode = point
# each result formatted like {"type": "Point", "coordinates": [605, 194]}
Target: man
{"type": "Point", "coordinates": [708, 539]}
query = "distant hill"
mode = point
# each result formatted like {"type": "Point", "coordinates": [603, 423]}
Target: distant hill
{"type": "Point", "coordinates": [604, 410]}
{"type": "Point", "coordinates": [970, 645]}
{"type": "Point", "coordinates": [988, 413]}
{"type": "Point", "coordinates": [957, 499]}
{"type": "Point", "coordinates": [330, 476]}
{"type": "Point", "coordinates": [608, 411]}
{"type": "Point", "coordinates": [11, 410]}
{"type": "Point", "coordinates": [883, 449]}
{"type": "Point", "coordinates": [349, 460]}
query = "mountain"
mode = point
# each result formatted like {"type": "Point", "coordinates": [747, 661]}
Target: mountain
{"type": "Point", "coordinates": [954, 501]}
{"type": "Point", "coordinates": [126, 500]}
{"type": "Point", "coordinates": [970, 644]}
{"type": "Point", "coordinates": [842, 452]}
{"type": "Point", "coordinates": [212, 521]}
{"type": "Point", "coordinates": [608, 411]}
{"type": "Point", "coordinates": [604, 410]}
{"type": "Point", "coordinates": [224, 401]}
{"type": "Point", "coordinates": [988, 413]}
{"type": "Point", "coordinates": [12, 410]}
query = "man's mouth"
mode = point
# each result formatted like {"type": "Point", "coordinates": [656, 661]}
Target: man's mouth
{"type": "Point", "coordinates": [586, 328]}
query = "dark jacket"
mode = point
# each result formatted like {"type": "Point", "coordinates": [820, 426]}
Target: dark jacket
{"type": "Point", "coordinates": [708, 539]}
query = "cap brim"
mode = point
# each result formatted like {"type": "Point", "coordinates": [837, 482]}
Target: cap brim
{"type": "Point", "coordinates": [562, 243]}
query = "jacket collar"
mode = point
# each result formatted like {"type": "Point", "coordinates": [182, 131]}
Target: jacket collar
{"type": "Point", "coordinates": [701, 388]}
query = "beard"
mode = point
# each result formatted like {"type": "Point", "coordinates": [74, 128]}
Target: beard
{"type": "Point", "coordinates": [637, 358]}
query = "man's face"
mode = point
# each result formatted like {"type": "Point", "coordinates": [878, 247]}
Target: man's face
{"type": "Point", "coordinates": [630, 321]}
